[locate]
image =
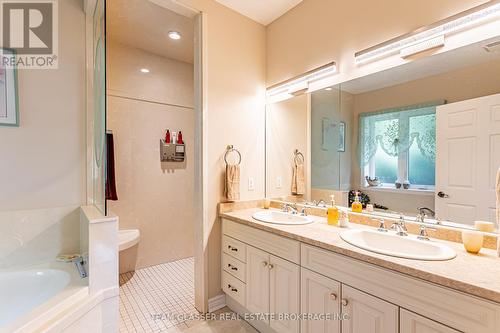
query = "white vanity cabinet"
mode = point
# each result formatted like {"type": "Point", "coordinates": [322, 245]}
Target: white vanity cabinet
{"type": "Point", "coordinates": [319, 295]}
{"type": "Point", "coordinates": [367, 314]}
{"type": "Point", "coordinates": [413, 323]}
{"type": "Point", "coordinates": [273, 287]}
{"type": "Point", "coordinates": [257, 280]}
{"type": "Point", "coordinates": [285, 276]}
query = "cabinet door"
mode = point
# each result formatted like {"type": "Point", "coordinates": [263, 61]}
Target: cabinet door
{"type": "Point", "coordinates": [257, 280]}
{"type": "Point", "coordinates": [367, 314]}
{"type": "Point", "coordinates": [319, 295]}
{"type": "Point", "coordinates": [284, 294]}
{"type": "Point", "coordinates": [413, 323]}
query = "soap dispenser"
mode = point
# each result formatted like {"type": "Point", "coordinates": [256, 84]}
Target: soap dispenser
{"type": "Point", "coordinates": [356, 206]}
{"type": "Point", "coordinates": [333, 213]}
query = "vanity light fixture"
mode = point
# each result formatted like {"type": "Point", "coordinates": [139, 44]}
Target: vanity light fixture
{"type": "Point", "coordinates": [431, 36]}
{"type": "Point", "coordinates": [175, 35]}
{"type": "Point", "coordinates": [145, 70]}
{"type": "Point", "coordinates": [301, 84]}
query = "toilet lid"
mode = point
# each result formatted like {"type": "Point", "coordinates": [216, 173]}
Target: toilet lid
{"type": "Point", "coordinates": [128, 238]}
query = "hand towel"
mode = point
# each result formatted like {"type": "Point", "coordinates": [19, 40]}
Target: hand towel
{"type": "Point", "coordinates": [232, 182]}
{"type": "Point", "coordinates": [298, 180]}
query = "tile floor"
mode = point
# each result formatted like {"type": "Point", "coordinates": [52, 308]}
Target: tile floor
{"type": "Point", "coordinates": [151, 297]}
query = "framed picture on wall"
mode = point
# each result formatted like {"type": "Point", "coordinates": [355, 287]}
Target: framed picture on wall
{"type": "Point", "coordinates": [9, 103]}
{"type": "Point", "coordinates": [341, 137]}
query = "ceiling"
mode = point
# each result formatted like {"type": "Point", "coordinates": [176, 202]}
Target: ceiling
{"type": "Point", "coordinates": [145, 25]}
{"type": "Point", "coordinates": [262, 11]}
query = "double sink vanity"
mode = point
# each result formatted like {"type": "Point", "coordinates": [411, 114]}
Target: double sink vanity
{"type": "Point", "coordinates": [373, 280]}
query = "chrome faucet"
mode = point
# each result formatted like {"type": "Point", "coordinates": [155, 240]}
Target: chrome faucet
{"type": "Point", "coordinates": [290, 208]}
{"type": "Point", "coordinates": [78, 261]}
{"type": "Point", "coordinates": [80, 267]}
{"type": "Point", "coordinates": [423, 212]}
{"type": "Point", "coordinates": [321, 203]}
{"type": "Point", "coordinates": [400, 226]}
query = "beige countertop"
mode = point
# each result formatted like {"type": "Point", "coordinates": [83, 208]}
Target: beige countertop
{"type": "Point", "coordinates": [477, 275]}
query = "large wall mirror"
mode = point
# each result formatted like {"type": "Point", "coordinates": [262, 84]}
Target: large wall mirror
{"type": "Point", "coordinates": [422, 135]}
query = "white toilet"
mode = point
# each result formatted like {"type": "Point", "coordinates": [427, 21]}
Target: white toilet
{"type": "Point", "coordinates": [128, 238]}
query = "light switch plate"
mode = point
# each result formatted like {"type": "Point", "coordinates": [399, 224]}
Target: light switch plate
{"type": "Point", "coordinates": [279, 182]}
{"type": "Point", "coordinates": [251, 184]}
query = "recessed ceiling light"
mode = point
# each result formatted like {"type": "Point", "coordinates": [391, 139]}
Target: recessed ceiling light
{"type": "Point", "coordinates": [145, 70]}
{"type": "Point", "coordinates": [328, 89]}
{"type": "Point", "coordinates": [174, 35]}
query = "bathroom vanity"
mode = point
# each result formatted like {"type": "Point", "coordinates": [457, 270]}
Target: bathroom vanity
{"type": "Point", "coordinates": [309, 269]}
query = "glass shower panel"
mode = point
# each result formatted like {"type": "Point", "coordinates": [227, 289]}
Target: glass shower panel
{"type": "Point", "coordinates": [327, 139]}
{"type": "Point", "coordinates": [99, 101]}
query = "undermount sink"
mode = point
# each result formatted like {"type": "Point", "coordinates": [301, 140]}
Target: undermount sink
{"type": "Point", "coordinates": [390, 244]}
{"type": "Point", "coordinates": [282, 218]}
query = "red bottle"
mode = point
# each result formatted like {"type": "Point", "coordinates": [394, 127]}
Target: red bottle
{"type": "Point", "coordinates": [179, 138]}
{"type": "Point", "coordinates": [167, 137]}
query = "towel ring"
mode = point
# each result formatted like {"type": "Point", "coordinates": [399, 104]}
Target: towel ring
{"type": "Point", "coordinates": [229, 150]}
{"type": "Point", "coordinates": [298, 157]}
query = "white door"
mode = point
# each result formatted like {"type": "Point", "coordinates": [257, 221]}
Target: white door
{"type": "Point", "coordinates": [257, 288]}
{"type": "Point", "coordinates": [367, 314]}
{"type": "Point", "coordinates": [467, 159]}
{"type": "Point", "coordinates": [284, 294]}
{"type": "Point", "coordinates": [319, 295]}
{"type": "Point", "coordinates": [413, 323]}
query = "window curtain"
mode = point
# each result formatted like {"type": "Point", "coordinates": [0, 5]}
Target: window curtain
{"type": "Point", "coordinates": [395, 130]}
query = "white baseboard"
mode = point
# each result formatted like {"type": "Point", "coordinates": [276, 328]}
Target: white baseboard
{"type": "Point", "coordinates": [216, 303]}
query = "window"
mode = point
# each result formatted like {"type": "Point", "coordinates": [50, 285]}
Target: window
{"type": "Point", "coordinates": [399, 146]}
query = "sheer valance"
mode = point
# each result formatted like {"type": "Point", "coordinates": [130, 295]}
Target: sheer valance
{"type": "Point", "coordinates": [395, 130]}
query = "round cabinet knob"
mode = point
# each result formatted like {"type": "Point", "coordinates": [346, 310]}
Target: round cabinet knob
{"type": "Point", "coordinates": [344, 302]}
{"type": "Point", "coordinates": [264, 263]}
{"type": "Point", "coordinates": [271, 266]}
{"type": "Point", "coordinates": [333, 296]}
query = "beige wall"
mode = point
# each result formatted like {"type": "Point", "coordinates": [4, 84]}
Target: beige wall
{"type": "Point", "coordinates": [235, 98]}
{"type": "Point", "coordinates": [43, 161]}
{"type": "Point", "coordinates": [287, 123]}
{"type": "Point", "coordinates": [154, 197]}
{"type": "Point", "coordinates": [466, 83]}
{"type": "Point", "coordinates": [316, 32]}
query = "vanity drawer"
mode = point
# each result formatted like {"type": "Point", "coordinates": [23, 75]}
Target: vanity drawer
{"type": "Point", "coordinates": [234, 248]}
{"type": "Point", "coordinates": [234, 267]}
{"type": "Point", "coordinates": [234, 288]}
{"type": "Point", "coordinates": [282, 247]}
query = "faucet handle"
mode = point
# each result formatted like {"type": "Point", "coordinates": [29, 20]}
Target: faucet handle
{"type": "Point", "coordinates": [423, 235]}
{"type": "Point", "coordinates": [303, 212]}
{"type": "Point", "coordinates": [381, 227]}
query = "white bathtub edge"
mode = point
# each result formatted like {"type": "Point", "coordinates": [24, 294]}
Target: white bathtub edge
{"type": "Point", "coordinates": [69, 311]}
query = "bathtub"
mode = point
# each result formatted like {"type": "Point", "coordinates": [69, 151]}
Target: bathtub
{"type": "Point", "coordinates": [30, 296]}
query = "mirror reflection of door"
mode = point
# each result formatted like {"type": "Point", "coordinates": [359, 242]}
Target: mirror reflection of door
{"type": "Point", "coordinates": [468, 146]}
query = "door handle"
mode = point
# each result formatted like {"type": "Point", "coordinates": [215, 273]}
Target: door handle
{"type": "Point", "coordinates": [441, 194]}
